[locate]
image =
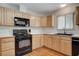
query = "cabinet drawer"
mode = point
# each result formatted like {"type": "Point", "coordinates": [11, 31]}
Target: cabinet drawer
{"type": "Point", "coordinates": [7, 40]}
{"type": "Point", "coordinates": [8, 53]}
{"type": "Point", "coordinates": [7, 46]}
{"type": "Point", "coordinates": [66, 38]}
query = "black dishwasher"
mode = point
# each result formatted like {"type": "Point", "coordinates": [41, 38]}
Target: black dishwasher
{"type": "Point", "coordinates": [75, 46]}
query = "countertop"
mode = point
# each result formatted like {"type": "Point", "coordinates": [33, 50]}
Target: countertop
{"type": "Point", "coordinates": [6, 36]}
{"type": "Point", "coordinates": [74, 35]}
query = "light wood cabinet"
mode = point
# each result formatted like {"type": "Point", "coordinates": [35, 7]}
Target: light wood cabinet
{"type": "Point", "coordinates": [32, 21]}
{"type": "Point", "coordinates": [42, 40]}
{"type": "Point", "coordinates": [47, 41]}
{"type": "Point", "coordinates": [43, 21]}
{"type": "Point", "coordinates": [7, 46]}
{"type": "Point", "coordinates": [59, 43]}
{"type": "Point", "coordinates": [8, 53]}
{"type": "Point", "coordinates": [46, 21]}
{"type": "Point", "coordinates": [36, 41]}
{"type": "Point", "coordinates": [17, 14]}
{"type": "Point", "coordinates": [2, 15]}
{"type": "Point", "coordinates": [49, 21]}
{"type": "Point", "coordinates": [53, 21]}
{"type": "Point", "coordinates": [77, 15]}
{"type": "Point", "coordinates": [35, 21]}
{"type": "Point", "coordinates": [56, 43]}
{"type": "Point", "coordinates": [9, 17]}
{"type": "Point", "coordinates": [6, 16]}
{"type": "Point", "coordinates": [25, 15]}
{"type": "Point", "coordinates": [66, 46]}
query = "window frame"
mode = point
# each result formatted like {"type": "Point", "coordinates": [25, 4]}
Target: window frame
{"type": "Point", "coordinates": [65, 21]}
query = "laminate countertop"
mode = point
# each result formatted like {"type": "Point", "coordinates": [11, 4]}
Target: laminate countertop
{"type": "Point", "coordinates": [6, 36]}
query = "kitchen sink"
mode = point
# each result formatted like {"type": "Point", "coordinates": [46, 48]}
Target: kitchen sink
{"type": "Point", "coordinates": [63, 34]}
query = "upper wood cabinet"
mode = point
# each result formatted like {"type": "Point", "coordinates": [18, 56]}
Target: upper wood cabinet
{"type": "Point", "coordinates": [77, 15]}
{"type": "Point", "coordinates": [46, 21]}
{"type": "Point", "coordinates": [35, 21]}
{"type": "Point", "coordinates": [53, 20]}
{"type": "Point", "coordinates": [2, 15]}
{"type": "Point", "coordinates": [49, 21]}
{"type": "Point", "coordinates": [18, 14]}
{"type": "Point", "coordinates": [6, 16]}
{"type": "Point", "coordinates": [9, 17]}
{"type": "Point", "coordinates": [25, 15]}
{"type": "Point", "coordinates": [43, 21]}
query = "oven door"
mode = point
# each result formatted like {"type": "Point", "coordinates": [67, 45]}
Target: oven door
{"type": "Point", "coordinates": [23, 46]}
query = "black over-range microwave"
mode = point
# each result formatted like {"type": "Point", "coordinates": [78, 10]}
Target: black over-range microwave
{"type": "Point", "coordinates": [21, 22]}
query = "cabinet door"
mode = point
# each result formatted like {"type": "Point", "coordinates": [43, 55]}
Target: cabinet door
{"type": "Point", "coordinates": [37, 19]}
{"type": "Point", "coordinates": [18, 14]}
{"type": "Point", "coordinates": [47, 41]}
{"type": "Point", "coordinates": [9, 17]}
{"type": "Point", "coordinates": [2, 15]}
{"type": "Point", "coordinates": [36, 42]}
{"type": "Point", "coordinates": [56, 43]}
{"type": "Point", "coordinates": [7, 46]}
{"type": "Point", "coordinates": [8, 53]}
{"type": "Point", "coordinates": [42, 40]}
{"type": "Point", "coordinates": [34, 21]}
{"type": "Point", "coordinates": [77, 15]}
{"type": "Point", "coordinates": [66, 47]}
{"type": "Point", "coordinates": [43, 21]}
{"type": "Point", "coordinates": [25, 15]}
{"type": "Point", "coordinates": [53, 20]}
{"type": "Point", "coordinates": [49, 21]}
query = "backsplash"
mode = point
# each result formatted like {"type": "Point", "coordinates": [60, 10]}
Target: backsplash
{"type": "Point", "coordinates": [5, 31]}
{"type": "Point", "coordinates": [34, 30]}
{"type": "Point", "coordinates": [37, 30]}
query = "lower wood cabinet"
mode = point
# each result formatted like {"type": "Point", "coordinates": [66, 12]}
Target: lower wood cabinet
{"type": "Point", "coordinates": [7, 46]}
{"type": "Point", "coordinates": [8, 53]}
{"type": "Point", "coordinates": [47, 41]}
{"type": "Point", "coordinates": [56, 43]}
{"type": "Point", "coordinates": [61, 44]}
{"type": "Point", "coordinates": [66, 46]}
{"type": "Point", "coordinates": [36, 41]}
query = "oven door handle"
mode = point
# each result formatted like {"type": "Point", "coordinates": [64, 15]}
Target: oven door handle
{"type": "Point", "coordinates": [76, 40]}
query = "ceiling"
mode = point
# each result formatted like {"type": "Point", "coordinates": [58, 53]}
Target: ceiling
{"type": "Point", "coordinates": [41, 8]}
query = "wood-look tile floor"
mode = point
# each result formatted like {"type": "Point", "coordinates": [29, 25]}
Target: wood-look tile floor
{"type": "Point", "coordinates": [44, 52]}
